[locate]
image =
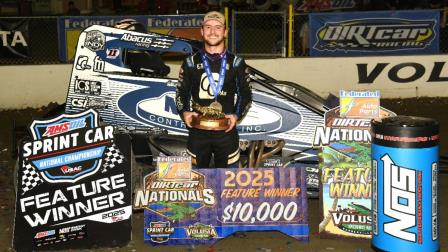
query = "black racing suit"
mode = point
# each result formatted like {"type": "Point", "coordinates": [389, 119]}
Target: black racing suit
{"type": "Point", "coordinates": [235, 98]}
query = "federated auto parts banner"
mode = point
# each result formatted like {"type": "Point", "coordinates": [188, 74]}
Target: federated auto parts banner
{"type": "Point", "coordinates": [74, 186]}
{"type": "Point", "coordinates": [374, 33]}
{"type": "Point", "coordinates": [69, 28]}
{"type": "Point", "coordinates": [14, 38]}
{"type": "Point", "coordinates": [214, 203]}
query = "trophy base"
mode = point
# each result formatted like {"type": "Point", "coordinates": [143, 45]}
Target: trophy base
{"type": "Point", "coordinates": [205, 123]}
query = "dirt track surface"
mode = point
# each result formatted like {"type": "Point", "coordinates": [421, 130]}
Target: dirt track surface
{"type": "Point", "coordinates": [254, 241]}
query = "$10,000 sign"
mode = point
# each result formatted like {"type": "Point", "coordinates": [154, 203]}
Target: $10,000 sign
{"type": "Point", "coordinates": [215, 203]}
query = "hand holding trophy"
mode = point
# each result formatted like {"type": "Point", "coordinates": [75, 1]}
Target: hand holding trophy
{"type": "Point", "coordinates": [210, 118]}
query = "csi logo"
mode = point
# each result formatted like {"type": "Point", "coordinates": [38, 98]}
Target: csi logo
{"type": "Point", "coordinates": [87, 86]}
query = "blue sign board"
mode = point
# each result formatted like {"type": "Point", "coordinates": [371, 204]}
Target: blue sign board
{"type": "Point", "coordinates": [374, 33]}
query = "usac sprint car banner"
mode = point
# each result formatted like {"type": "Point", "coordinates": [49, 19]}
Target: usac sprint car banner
{"type": "Point", "coordinates": [14, 38]}
{"type": "Point", "coordinates": [345, 164]}
{"type": "Point", "coordinates": [73, 186]}
{"type": "Point", "coordinates": [374, 33]}
{"type": "Point", "coordinates": [69, 28]}
{"type": "Point", "coordinates": [205, 205]}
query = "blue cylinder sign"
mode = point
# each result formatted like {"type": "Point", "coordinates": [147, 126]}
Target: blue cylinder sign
{"type": "Point", "coordinates": [405, 158]}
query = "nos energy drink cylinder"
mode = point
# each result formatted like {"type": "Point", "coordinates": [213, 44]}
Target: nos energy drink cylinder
{"type": "Point", "coordinates": [405, 159]}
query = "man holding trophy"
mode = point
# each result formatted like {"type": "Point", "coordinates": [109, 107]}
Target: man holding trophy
{"type": "Point", "coordinates": [212, 95]}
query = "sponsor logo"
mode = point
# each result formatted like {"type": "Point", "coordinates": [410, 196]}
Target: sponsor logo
{"type": "Point", "coordinates": [356, 219]}
{"type": "Point", "coordinates": [16, 38]}
{"type": "Point", "coordinates": [395, 73]}
{"type": "Point", "coordinates": [114, 216]}
{"type": "Point", "coordinates": [382, 34]}
{"type": "Point", "coordinates": [147, 41]}
{"type": "Point", "coordinates": [343, 129]}
{"type": "Point", "coordinates": [195, 21]}
{"type": "Point", "coordinates": [201, 231]}
{"type": "Point", "coordinates": [95, 40]}
{"type": "Point", "coordinates": [205, 91]}
{"type": "Point", "coordinates": [70, 170]}
{"type": "Point", "coordinates": [44, 234]}
{"type": "Point", "coordinates": [89, 103]}
{"type": "Point", "coordinates": [98, 64]}
{"type": "Point", "coordinates": [160, 231]}
{"type": "Point", "coordinates": [112, 53]}
{"type": "Point", "coordinates": [71, 229]}
{"type": "Point", "coordinates": [141, 41]}
{"type": "Point", "coordinates": [54, 151]}
{"type": "Point", "coordinates": [82, 63]}
{"type": "Point", "coordinates": [87, 86]}
{"type": "Point", "coordinates": [79, 102]}
{"type": "Point", "coordinates": [400, 189]}
{"type": "Point", "coordinates": [175, 199]}
{"type": "Point", "coordinates": [65, 127]}
{"type": "Point", "coordinates": [157, 108]}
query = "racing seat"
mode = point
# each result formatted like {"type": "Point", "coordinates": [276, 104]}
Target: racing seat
{"type": "Point", "coordinates": [145, 63]}
{"type": "Point", "coordinates": [142, 62]}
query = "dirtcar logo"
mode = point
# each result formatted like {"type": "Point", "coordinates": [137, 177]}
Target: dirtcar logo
{"type": "Point", "coordinates": [399, 199]}
{"type": "Point", "coordinates": [385, 34]}
{"type": "Point", "coordinates": [175, 200]}
{"type": "Point", "coordinates": [343, 129]}
{"type": "Point", "coordinates": [60, 128]}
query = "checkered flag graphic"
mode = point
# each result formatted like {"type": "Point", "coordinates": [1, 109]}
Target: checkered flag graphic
{"type": "Point", "coordinates": [113, 157]}
{"type": "Point", "coordinates": [30, 178]}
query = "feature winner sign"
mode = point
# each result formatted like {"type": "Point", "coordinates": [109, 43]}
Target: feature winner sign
{"type": "Point", "coordinates": [73, 186]}
{"type": "Point", "coordinates": [346, 186]}
{"type": "Point", "coordinates": [184, 206]}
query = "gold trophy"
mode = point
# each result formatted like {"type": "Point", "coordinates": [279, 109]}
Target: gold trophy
{"type": "Point", "coordinates": [210, 118]}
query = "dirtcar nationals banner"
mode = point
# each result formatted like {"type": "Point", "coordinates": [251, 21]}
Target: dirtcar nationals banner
{"type": "Point", "coordinates": [14, 38]}
{"type": "Point", "coordinates": [345, 163]}
{"type": "Point", "coordinates": [74, 186]}
{"type": "Point", "coordinates": [374, 33]}
{"type": "Point", "coordinates": [206, 205]}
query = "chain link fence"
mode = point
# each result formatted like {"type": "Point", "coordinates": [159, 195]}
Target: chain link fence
{"type": "Point", "coordinates": [253, 34]}
{"type": "Point", "coordinates": [300, 35]}
{"type": "Point", "coordinates": [259, 33]}
{"type": "Point", "coordinates": [42, 44]}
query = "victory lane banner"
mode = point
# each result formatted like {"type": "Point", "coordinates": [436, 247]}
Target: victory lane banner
{"type": "Point", "coordinates": [215, 203]}
{"type": "Point", "coordinates": [74, 188]}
